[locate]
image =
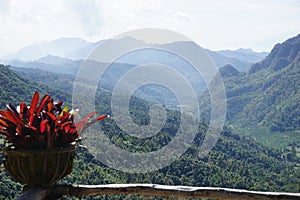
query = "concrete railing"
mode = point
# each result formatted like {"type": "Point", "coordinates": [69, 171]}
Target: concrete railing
{"type": "Point", "coordinates": [153, 190]}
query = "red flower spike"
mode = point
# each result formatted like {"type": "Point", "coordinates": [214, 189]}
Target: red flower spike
{"type": "Point", "coordinates": [34, 103]}
{"type": "Point", "coordinates": [13, 118]}
{"type": "Point", "coordinates": [32, 127]}
{"type": "Point", "coordinates": [60, 103]}
{"type": "Point", "coordinates": [66, 126]}
{"type": "Point", "coordinates": [50, 105]}
{"type": "Point", "coordinates": [45, 99]}
{"type": "Point", "coordinates": [51, 116]}
{"type": "Point", "coordinates": [43, 125]}
{"type": "Point", "coordinates": [58, 121]}
{"type": "Point", "coordinates": [10, 126]}
{"type": "Point", "coordinates": [85, 119]}
{"type": "Point", "coordinates": [65, 115]}
{"type": "Point", "coordinates": [102, 117]}
{"type": "Point", "coordinates": [2, 128]}
{"type": "Point", "coordinates": [3, 123]}
{"type": "Point", "coordinates": [19, 131]}
{"type": "Point", "coordinates": [2, 113]}
{"type": "Point", "coordinates": [73, 130]}
{"type": "Point", "coordinates": [62, 119]}
{"type": "Point", "coordinates": [31, 119]}
{"type": "Point", "coordinates": [97, 119]}
{"type": "Point", "coordinates": [82, 127]}
{"type": "Point", "coordinates": [23, 110]}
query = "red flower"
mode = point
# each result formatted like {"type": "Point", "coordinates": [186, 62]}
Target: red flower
{"type": "Point", "coordinates": [42, 125]}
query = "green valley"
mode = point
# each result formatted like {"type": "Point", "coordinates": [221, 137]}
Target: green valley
{"type": "Point", "coordinates": [258, 148]}
{"type": "Point", "coordinates": [235, 161]}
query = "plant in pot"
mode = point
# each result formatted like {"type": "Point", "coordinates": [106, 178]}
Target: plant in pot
{"type": "Point", "coordinates": [41, 140]}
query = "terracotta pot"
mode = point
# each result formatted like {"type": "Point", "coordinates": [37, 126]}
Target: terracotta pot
{"type": "Point", "coordinates": [39, 167]}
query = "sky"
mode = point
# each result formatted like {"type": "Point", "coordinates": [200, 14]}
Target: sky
{"type": "Point", "coordinates": [213, 24]}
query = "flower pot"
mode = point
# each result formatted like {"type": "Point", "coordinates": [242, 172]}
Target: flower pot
{"type": "Point", "coordinates": [39, 167]}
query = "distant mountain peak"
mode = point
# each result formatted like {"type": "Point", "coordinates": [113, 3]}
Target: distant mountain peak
{"type": "Point", "coordinates": [59, 47]}
{"type": "Point", "coordinates": [244, 54]}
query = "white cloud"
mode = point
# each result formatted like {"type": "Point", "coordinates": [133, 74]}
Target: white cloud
{"type": "Point", "coordinates": [25, 22]}
{"type": "Point", "coordinates": [127, 15]}
{"type": "Point", "coordinates": [213, 24]}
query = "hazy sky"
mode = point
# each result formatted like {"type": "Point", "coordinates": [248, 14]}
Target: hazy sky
{"type": "Point", "coordinates": [213, 24]}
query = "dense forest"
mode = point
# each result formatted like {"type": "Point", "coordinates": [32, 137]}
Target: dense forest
{"type": "Point", "coordinates": [268, 95]}
{"type": "Point", "coordinates": [235, 161]}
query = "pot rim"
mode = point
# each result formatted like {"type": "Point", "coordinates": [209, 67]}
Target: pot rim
{"type": "Point", "coordinates": [30, 152]}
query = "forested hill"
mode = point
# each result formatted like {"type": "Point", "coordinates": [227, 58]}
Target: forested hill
{"type": "Point", "coordinates": [268, 95]}
{"type": "Point", "coordinates": [14, 88]}
{"type": "Point", "coordinates": [234, 162]}
{"type": "Point", "coordinates": [281, 55]}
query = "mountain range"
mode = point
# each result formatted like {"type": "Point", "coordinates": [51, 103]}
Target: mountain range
{"type": "Point", "coordinates": [247, 55]}
{"type": "Point", "coordinates": [79, 49]}
{"type": "Point", "coordinates": [66, 55]}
